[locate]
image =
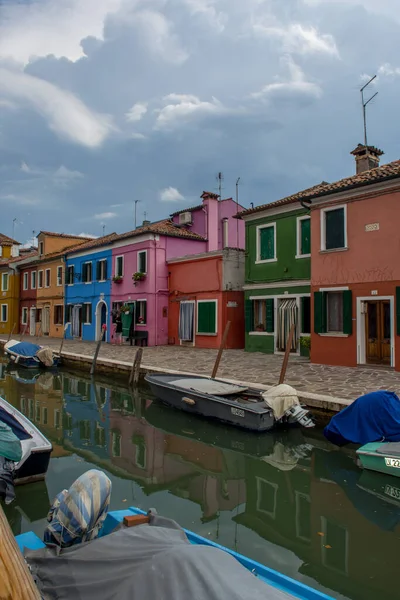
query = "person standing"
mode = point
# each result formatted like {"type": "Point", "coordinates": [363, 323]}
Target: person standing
{"type": "Point", "coordinates": [118, 328]}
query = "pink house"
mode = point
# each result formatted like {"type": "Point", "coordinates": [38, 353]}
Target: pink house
{"type": "Point", "coordinates": [140, 275]}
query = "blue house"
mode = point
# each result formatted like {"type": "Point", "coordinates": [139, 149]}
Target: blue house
{"type": "Point", "coordinates": [88, 273]}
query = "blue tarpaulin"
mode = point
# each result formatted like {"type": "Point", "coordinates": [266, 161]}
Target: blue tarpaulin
{"type": "Point", "coordinates": [24, 349]}
{"type": "Point", "coordinates": [371, 418]}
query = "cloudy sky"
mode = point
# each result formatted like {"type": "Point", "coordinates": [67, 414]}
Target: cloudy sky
{"type": "Point", "coordinates": [103, 102]}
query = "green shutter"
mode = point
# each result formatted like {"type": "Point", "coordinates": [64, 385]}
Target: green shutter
{"type": "Point", "coordinates": [348, 312]}
{"type": "Point", "coordinates": [398, 310]}
{"type": "Point", "coordinates": [319, 312]}
{"type": "Point", "coordinates": [267, 243]}
{"type": "Point", "coordinates": [249, 315]}
{"type": "Point", "coordinates": [334, 229]}
{"type": "Point", "coordinates": [206, 317]}
{"type": "Point", "coordinates": [270, 315]}
{"type": "Point", "coordinates": [305, 241]}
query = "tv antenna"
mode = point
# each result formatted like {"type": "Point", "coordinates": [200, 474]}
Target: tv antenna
{"type": "Point", "coordinates": [364, 106]}
{"type": "Point", "coordinates": [220, 178]}
{"type": "Point", "coordinates": [136, 202]}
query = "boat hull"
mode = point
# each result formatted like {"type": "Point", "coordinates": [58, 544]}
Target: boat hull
{"type": "Point", "coordinates": [256, 418]}
{"type": "Point", "coordinates": [371, 460]}
{"type": "Point", "coordinates": [30, 362]}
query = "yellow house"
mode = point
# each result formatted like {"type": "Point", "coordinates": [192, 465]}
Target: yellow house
{"type": "Point", "coordinates": [9, 285]}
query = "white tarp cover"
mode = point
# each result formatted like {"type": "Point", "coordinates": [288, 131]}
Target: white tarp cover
{"type": "Point", "coordinates": [209, 386]}
{"type": "Point", "coordinates": [280, 398]}
{"type": "Point", "coordinates": [145, 563]}
{"type": "Point", "coordinates": [281, 458]}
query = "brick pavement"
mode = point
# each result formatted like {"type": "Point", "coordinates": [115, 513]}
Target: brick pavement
{"type": "Point", "coordinates": [341, 382]}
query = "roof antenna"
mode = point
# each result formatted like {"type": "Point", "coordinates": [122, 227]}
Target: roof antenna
{"type": "Point", "coordinates": [364, 105]}
{"type": "Point", "coordinates": [220, 178]}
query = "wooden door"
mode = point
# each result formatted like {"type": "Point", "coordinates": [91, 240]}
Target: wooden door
{"type": "Point", "coordinates": [378, 332]}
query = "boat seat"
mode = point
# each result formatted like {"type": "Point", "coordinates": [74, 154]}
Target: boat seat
{"type": "Point", "coordinates": [392, 448]}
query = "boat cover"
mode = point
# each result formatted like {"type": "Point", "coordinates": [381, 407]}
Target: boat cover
{"type": "Point", "coordinates": [371, 418]}
{"type": "Point", "coordinates": [25, 349]}
{"type": "Point", "coordinates": [11, 421]}
{"type": "Point", "coordinates": [78, 514]}
{"type": "Point", "coordinates": [209, 386]}
{"type": "Point", "coordinates": [391, 449]}
{"type": "Point", "coordinates": [281, 398]}
{"type": "Point", "coordinates": [145, 562]}
{"type": "Point", "coordinates": [10, 446]}
{"type": "Point", "coordinates": [6, 480]}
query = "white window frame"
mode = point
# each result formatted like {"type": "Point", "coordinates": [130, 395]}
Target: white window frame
{"type": "Point", "coordinates": [88, 262]}
{"type": "Point", "coordinates": [1, 313]}
{"type": "Point", "coordinates": [5, 277]}
{"type": "Point", "coordinates": [33, 273]}
{"type": "Point", "coordinates": [216, 317]}
{"type": "Point", "coordinates": [102, 261]}
{"type": "Point", "coordinates": [25, 312]}
{"type": "Point", "coordinates": [258, 245]}
{"type": "Point", "coordinates": [25, 281]}
{"type": "Point", "coordinates": [274, 488]}
{"type": "Point", "coordinates": [298, 244]}
{"type": "Point", "coordinates": [45, 278]}
{"type": "Point", "coordinates": [137, 307]}
{"type": "Point", "coordinates": [138, 261]}
{"type": "Point", "coordinates": [85, 321]}
{"type": "Point", "coordinates": [40, 287]}
{"type": "Point", "coordinates": [69, 267]}
{"type": "Point", "coordinates": [123, 265]}
{"type": "Point", "coordinates": [59, 276]}
{"type": "Point", "coordinates": [41, 248]}
{"type": "Point", "coordinates": [323, 228]}
{"type": "Point", "coordinates": [66, 310]}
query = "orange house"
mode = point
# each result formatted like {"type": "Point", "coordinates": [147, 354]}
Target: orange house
{"type": "Point", "coordinates": [355, 267]}
{"type": "Point", "coordinates": [206, 293]}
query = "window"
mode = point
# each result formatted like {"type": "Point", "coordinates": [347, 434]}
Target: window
{"type": "Point", "coordinates": [4, 313]}
{"type": "Point", "coordinates": [262, 315]}
{"type": "Point", "coordinates": [303, 237]}
{"type": "Point", "coordinates": [142, 261]}
{"type": "Point", "coordinates": [141, 312]}
{"type": "Point", "coordinates": [25, 284]}
{"type": "Point", "coordinates": [47, 278]}
{"type": "Point", "coordinates": [266, 497]}
{"type": "Point", "coordinates": [119, 266]}
{"type": "Point", "coordinates": [58, 314]}
{"type": "Point", "coordinates": [4, 282]}
{"type": "Point", "coordinates": [45, 415]}
{"type": "Point", "coordinates": [207, 317]}
{"type": "Point", "coordinates": [41, 248]}
{"type": "Point", "coordinates": [33, 280]}
{"type": "Point", "coordinates": [40, 279]}
{"type": "Point", "coordinates": [68, 313]}
{"type": "Point", "coordinates": [87, 313]}
{"type": "Point", "coordinates": [59, 276]}
{"type": "Point", "coordinates": [101, 270]}
{"type": "Point", "coordinates": [333, 312]}
{"type": "Point", "coordinates": [70, 275]}
{"type": "Point", "coordinates": [87, 272]}
{"type": "Point", "coordinates": [333, 228]}
{"type": "Point", "coordinates": [266, 243]}
{"type": "Point", "coordinates": [305, 308]}
{"type": "Point", "coordinates": [24, 315]}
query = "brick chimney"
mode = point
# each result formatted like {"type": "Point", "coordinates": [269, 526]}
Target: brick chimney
{"type": "Point", "coordinates": [367, 157]}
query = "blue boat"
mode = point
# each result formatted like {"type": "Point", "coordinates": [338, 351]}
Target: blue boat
{"type": "Point", "coordinates": [30, 356]}
{"type": "Point", "coordinates": [277, 585]}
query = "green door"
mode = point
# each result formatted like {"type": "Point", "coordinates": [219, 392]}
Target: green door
{"type": "Point", "coordinates": [127, 319]}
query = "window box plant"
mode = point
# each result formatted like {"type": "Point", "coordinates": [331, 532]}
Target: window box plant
{"type": "Point", "coordinates": [260, 327]}
{"type": "Point", "coordinates": [305, 346]}
{"type": "Point", "coordinates": [125, 308]}
{"type": "Point", "coordinates": [117, 279]}
{"type": "Point", "coordinates": [138, 277]}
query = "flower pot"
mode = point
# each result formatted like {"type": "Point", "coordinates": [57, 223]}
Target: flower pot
{"type": "Point", "coordinates": [118, 281]}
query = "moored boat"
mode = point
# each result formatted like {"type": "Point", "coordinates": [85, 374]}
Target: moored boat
{"type": "Point", "coordinates": [30, 356]}
{"type": "Point", "coordinates": [383, 457]}
{"type": "Point", "coordinates": [231, 403]}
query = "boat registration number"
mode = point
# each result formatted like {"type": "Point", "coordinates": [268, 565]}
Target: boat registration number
{"type": "Point", "coordinates": [393, 462]}
{"type": "Point", "coordinates": [238, 412]}
{"type": "Point", "coordinates": [394, 492]}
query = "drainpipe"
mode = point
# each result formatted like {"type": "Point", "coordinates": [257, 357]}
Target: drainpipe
{"type": "Point", "coordinates": [307, 208]}
{"type": "Point", "coordinates": [204, 209]}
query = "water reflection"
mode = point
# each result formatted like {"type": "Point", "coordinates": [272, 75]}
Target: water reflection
{"type": "Point", "coordinates": [287, 500]}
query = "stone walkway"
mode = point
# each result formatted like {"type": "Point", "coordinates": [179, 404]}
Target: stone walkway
{"type": "Point", "coordinates": [340, 382]}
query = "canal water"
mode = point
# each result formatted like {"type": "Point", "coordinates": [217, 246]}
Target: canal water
{"type": "Point", "coordinates": [287, 499]}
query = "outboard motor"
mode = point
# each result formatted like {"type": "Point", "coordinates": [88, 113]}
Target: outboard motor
{"type": "Point", "coordinates": [7, 492]}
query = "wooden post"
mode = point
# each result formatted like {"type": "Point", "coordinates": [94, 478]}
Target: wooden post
{"type": "Point", "coordinates": [23, 333]}
{"type": "Point", "coordinates": [220, 351]}
{"type": "Point", "coordinates": [16, 582]}
{"type": "Point", "coordinates": [96, 354]}
{"type": "Point", "coordinates": [135, 371]}
{"type": "Point", "coordinates": [39, 331]}
{"type": "Point", "coordinates": [63, 339]}
{"type": "Point", "coordinates": [11, 332]}
{"type": "Point", "coordinates": [287, 352]}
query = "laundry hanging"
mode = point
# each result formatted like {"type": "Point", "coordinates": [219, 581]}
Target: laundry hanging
{"type": "Point", "coordinates": [287, 316]}
{"type": "Point", "coordinates": [186, 321]}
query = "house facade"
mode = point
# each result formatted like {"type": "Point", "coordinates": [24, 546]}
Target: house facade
{"type": "Point", "coordinates": [206, 291]}
{"type": "Point", "coordinates": [88, 289]}
{"type": "Point", "coordinates": [27, 292]}
{"type": "Point", "coordinates": [355, 273]}
{"type": "Point", "coordinates": [9, 285]}
{"type": "Point", "coordinates": [277, 283]}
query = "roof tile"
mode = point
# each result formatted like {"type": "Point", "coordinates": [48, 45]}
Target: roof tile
{"type": "Point", "coordinates": [7, 241]}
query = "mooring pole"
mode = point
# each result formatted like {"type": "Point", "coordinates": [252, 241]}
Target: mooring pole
{"type": "Point", "coordinates": [23, 333]}
{"type": "Point", "coordinates": [96, 354]}
{"type": "Point", "coordinates": [220, 351]}
{"type": "Point", "coordinates": [135, 371]}
{"type": "Point", "coordinates": [11, 332]}
{"type": "Point", "coordinates": [287, 352]}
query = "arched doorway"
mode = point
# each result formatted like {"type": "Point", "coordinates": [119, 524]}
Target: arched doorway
{"type": "Point", "coordinates": [101, 319]}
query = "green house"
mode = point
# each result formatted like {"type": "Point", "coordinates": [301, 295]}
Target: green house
{"type": "Point", "coordinates": [277, 280]}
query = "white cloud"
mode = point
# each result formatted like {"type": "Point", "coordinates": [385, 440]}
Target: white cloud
{"type": "Point", "coordinates": [207, 10]}
{"type": "Point", "coordinates": [46, 27]}
{"type": "Point", "coordinates": [180, 108]}
{"type": "Point", "coordinates": [87, 235]}
{"type": "Point", "coordinates": [64, 173]}
{"type": "Point", "coordinates": [387, 70]}
{"type": "Point", "coordinates": [25, 168]}
{"type": "Point", "coordinates": [156, 32]}
{"type": "Point", "coordinates": [137, 112]}
{"type": "Point", "coordinates": [65, 113]}
{"type": "Point", "coordinates": [19, 200]}
{"type": "Point", "coordinates": [298, 38]}
{"type": "Point", "coordinates": [296, 85]}
{"type": "Point", "coordinates": [105, 215]}
{"type": "Point", "coordinates": [171, 194]}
